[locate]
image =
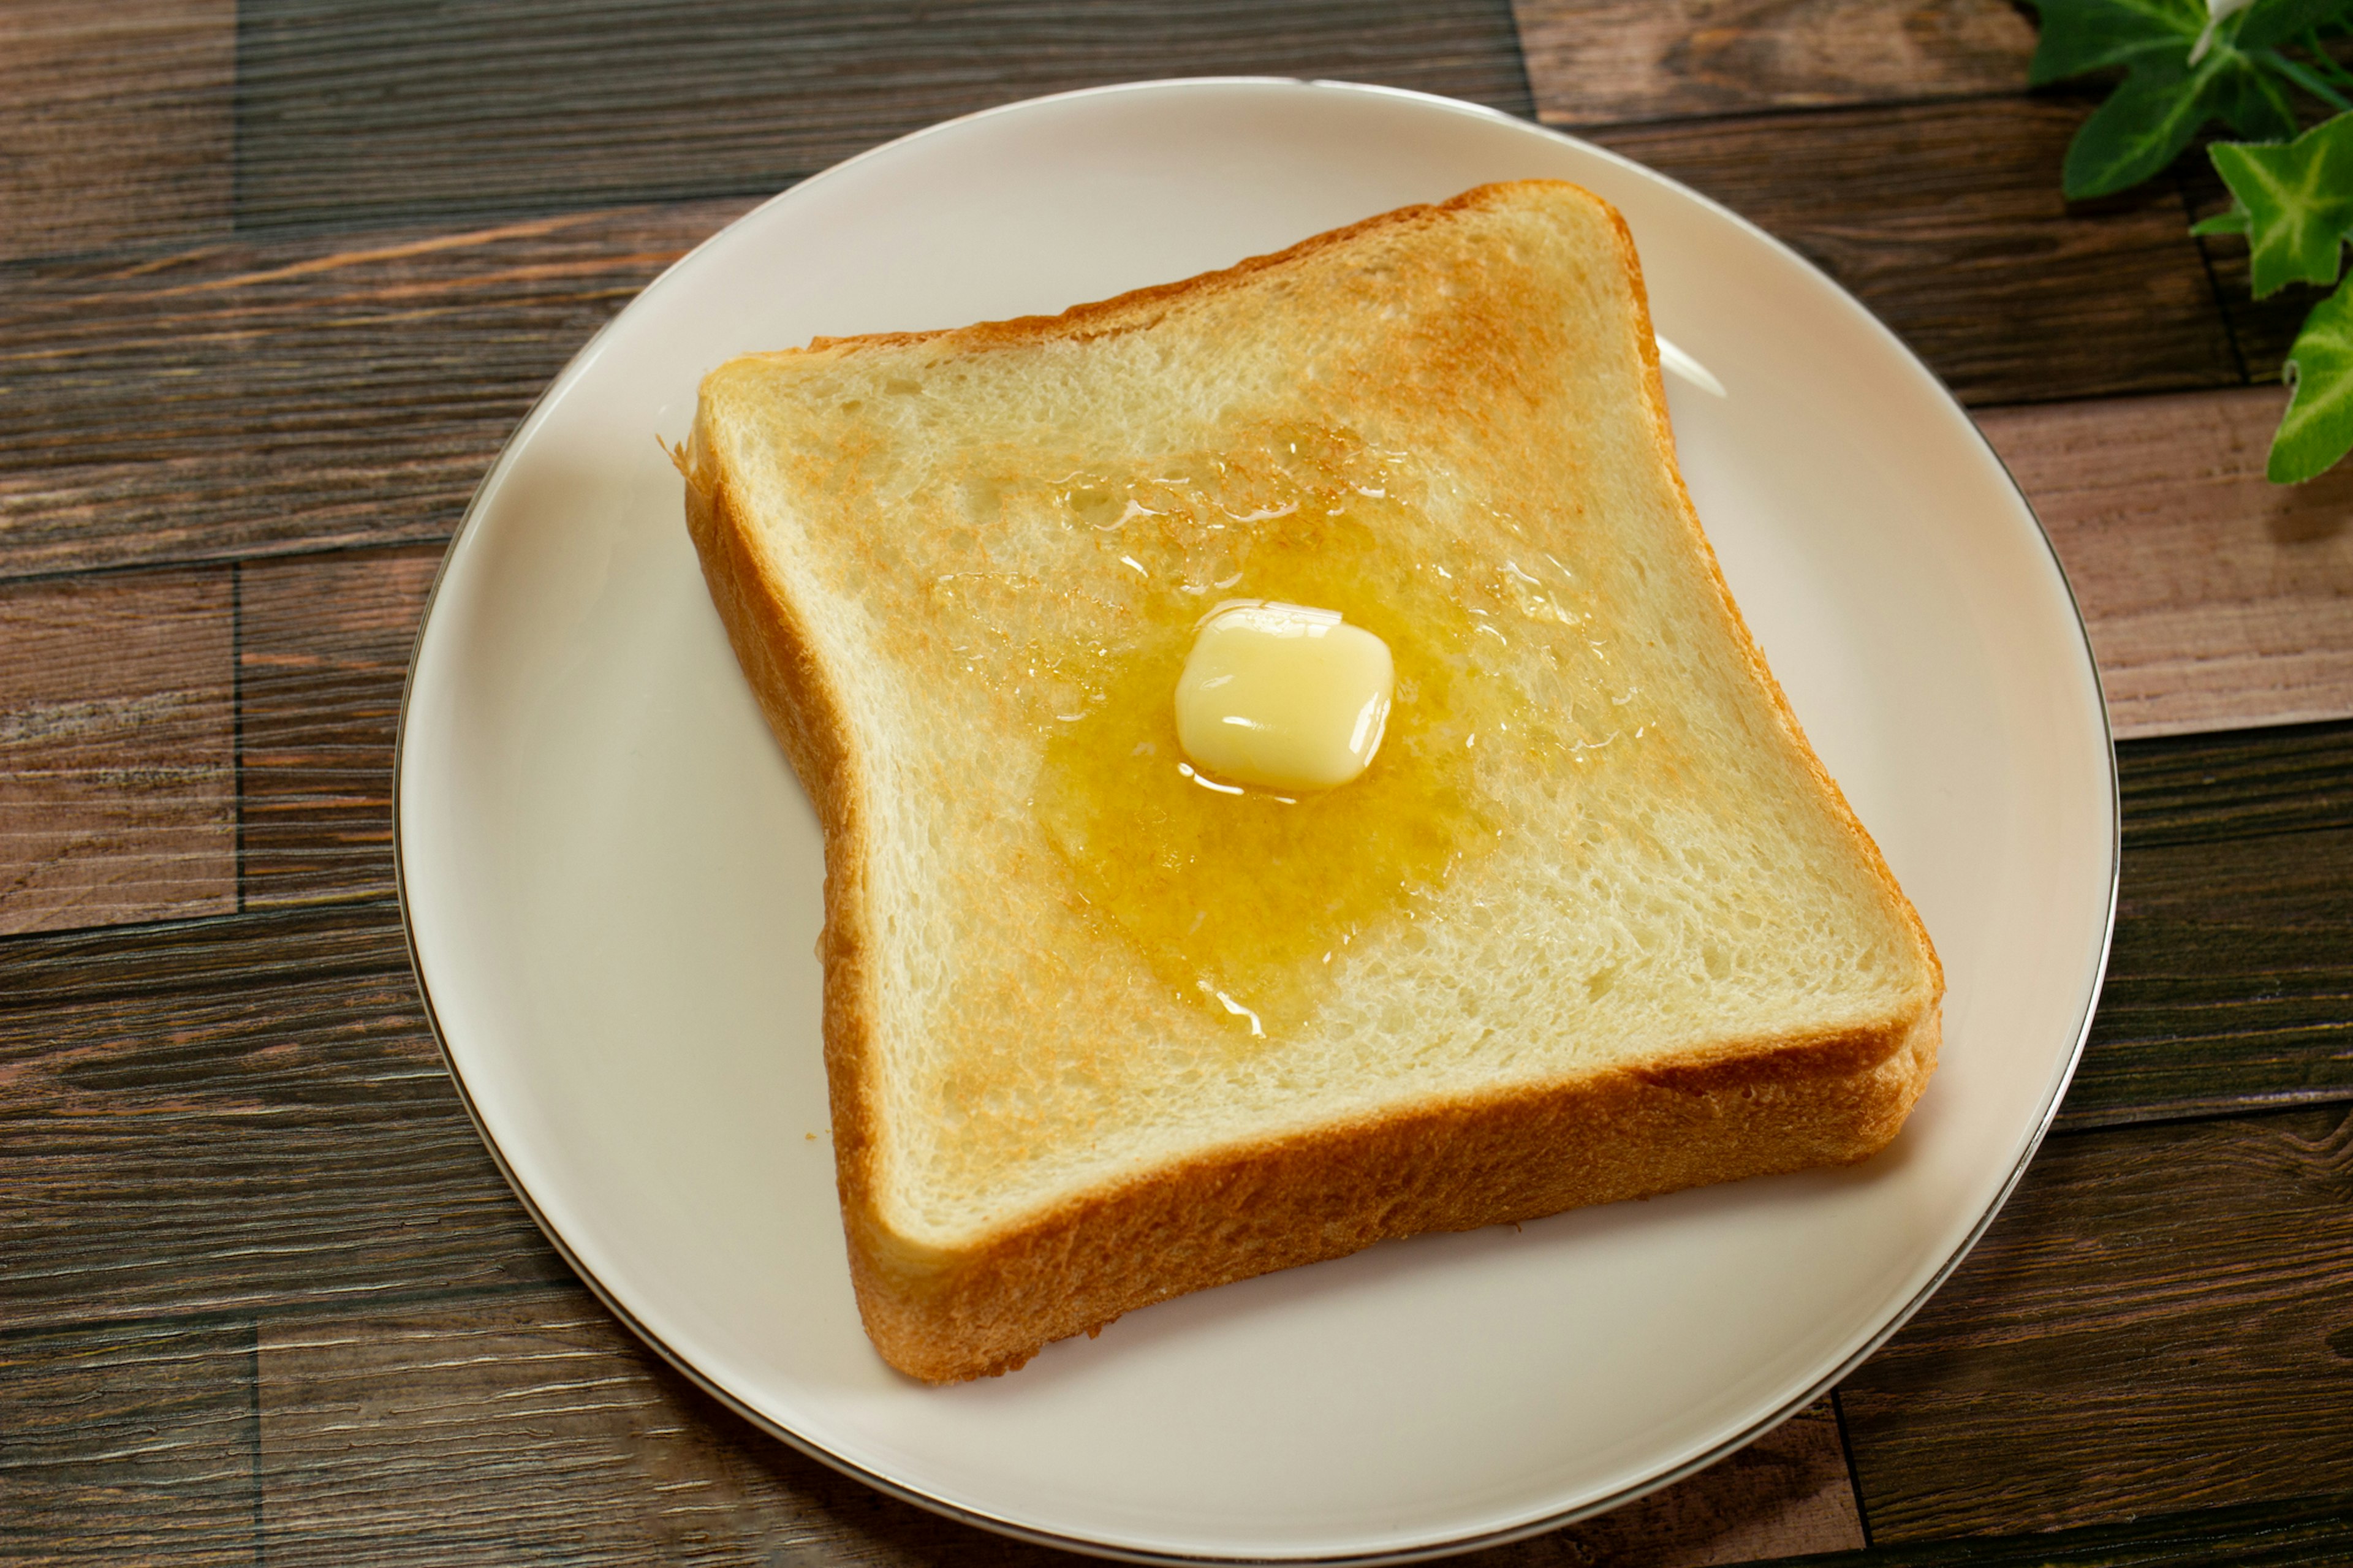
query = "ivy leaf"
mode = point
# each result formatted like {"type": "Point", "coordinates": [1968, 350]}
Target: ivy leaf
{"type": "Point", "coordinates": [2271, 23]}
{"type": "Point", "coordinates": [2187, 62]}
{"type": "Point", "coordinates": [2081, 35]}
{"type": "Point", "coordinates": [2238, 220]}
{"type": "Point", "coordinates": [2296, 200]}
{"type": "Point", "coordinates": [2251, 101]}
{"type": "Point", "coordinates": [2317, 428]}
{"type": "Point", "coordinates": [2144, 123]}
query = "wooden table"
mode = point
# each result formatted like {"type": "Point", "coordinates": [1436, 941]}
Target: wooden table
{"type": "Point", "coordinates": [278, 278]}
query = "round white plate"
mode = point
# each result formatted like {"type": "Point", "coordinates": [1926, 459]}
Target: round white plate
{"type": "Point", "coordinates": [612, 881]}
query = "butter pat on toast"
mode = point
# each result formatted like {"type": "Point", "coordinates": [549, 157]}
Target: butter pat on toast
{"type": "Point", "coordinates": [1593, 924]}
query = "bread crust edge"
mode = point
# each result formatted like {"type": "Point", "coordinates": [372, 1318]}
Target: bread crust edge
{"type": "Point", "coordinates": [805, 715]}
{"type": "Point", "coordinates": [1517, 1155]}
{"type": "Point", "coordinates": [1662, 435]}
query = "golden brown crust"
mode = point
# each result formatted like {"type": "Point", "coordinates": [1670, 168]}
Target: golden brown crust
{"type": "Point", "coordinates": [1743, 1109]}
{"type": "Point", "coordinates": [1239, 1212]}
{"type": "Point", "coordinates": [1140, 309]}
{"type": "Point", "coordinates": [766, 629]}
{"type": "Point", "coordinates": [1663, 432]}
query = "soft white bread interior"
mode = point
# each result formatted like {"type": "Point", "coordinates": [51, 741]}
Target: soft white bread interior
{"type": "Point", "coordinates": [1594, 924]}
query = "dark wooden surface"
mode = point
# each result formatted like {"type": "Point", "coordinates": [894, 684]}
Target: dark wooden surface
{"type": "Point", "coordinates": [1942, 218]}
{"type": "Point", "coordinates": [277, 280]}
{"type": "Point", "coordinates": [607, 103]}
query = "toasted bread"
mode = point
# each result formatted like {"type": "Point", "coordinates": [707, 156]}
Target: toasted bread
{"type": "Point", "coordinates": [1595, 924]}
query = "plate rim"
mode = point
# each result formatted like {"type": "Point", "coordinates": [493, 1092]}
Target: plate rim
{"type": "Point", "coordinates": [1453, 1545]}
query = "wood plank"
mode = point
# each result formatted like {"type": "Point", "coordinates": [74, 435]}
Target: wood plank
{"type": "Point", "coordinates": [496, 1430]}
{"type": "Point", "coordinates": [1598, 62]}
{"type": "Point", "coordinates": [262, 444]}
{"type": "Point", "coordinates": [538, 104]}
{"type": "Point", "coordinates": [118, 777]}
{"type": "Point", "coordinates": [500, 1431]}
{"type": "Point", "coordinates": [2229, 982]}
{"type": "Point", "coordinates": [322, 656]}
{"type": "Point", "coordinates": [2199, 789]}
{"type": "Point", "coordinates": [2315, 1531]}
{"type": "Point", "coordinates": [121, 122]}
{"type": "Point", "coordinates": [2215, 599]}
{"type": "Point", "coordinates": [2156, 1322]}
{"type": "Point", "coordinates": [235, 1114]}
{"type": "Point", "coordinates": [2228, 986]}
{"type": "Point", "coordinates": [1946, 220]}
{"type": "Point", "coordinates": [320, 392]}
{"type": "Point", "coordinates": [135, 1442]}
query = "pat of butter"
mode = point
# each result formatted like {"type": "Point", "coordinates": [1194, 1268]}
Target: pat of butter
{"type": "Point", "coordinates": [1282, 696]}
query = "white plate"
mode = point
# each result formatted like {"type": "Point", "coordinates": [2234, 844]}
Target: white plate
{"type": "Point", "coordinates": [611, 880]}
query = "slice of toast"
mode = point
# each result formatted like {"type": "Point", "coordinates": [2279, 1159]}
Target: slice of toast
{"type": "Point", "coordinates": [1594, 924]}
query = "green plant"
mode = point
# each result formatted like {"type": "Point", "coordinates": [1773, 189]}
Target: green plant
{"type": "Point", "coordinates": [2187, 65]}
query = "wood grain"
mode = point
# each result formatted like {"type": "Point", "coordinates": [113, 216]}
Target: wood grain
{"type": "Point", "coordinates": [2199, 789]}
{"type": "Point", "coordinates": [322, 655]}
{"type": "Point", "coordinates": [510, 1430]}
{"type": "Point", "coordinates": [323, 391]}
{"type": "Point", "coordinates": [1946, 220]}
{"type": "Point", "coordinates": [2317, 1532]}
{"type": "Point", "coordinates": [320, 392]}
{"type": "Point", "coordinates": [537, 1430]}
{"type": "Point", "coordinates": [2229, 985]}
{"type": "Point", "coordinates": [118, 781]}
{"type": "Point", "coordinates": [413, 109]}
{"type": "Point", "coordinates": [237, 1113]}
{"type": "Point", "coordinates": [2160, 1319]}
{"type": "Point", "coordinates": [2229, 982]}
{"type": "Point", "coordinates": [120, 125]}
{"type": "Point", "coordinates": [130, 1443]}
{"type": "Point", "coordinates": [2215, 598]}
{"type": "Point", "coordinates": [1617, 60]}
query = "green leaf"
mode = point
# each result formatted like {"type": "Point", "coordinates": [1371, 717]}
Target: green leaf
{"type": "Point", "coordinates": [2317, 428]}
{"type": "Point", "coordinates": [2081, 35]}
{"type": "Point", "coordinates": [2235, 221]}
{"type": "Point", "coordinates": [2144, 125]}
{"type": "Point", "coordinates": [2267, 24]}
{"type": "Point", "coordinates": [2298, 202]}
{"type": "Point", "coordinates": [2314, 76]}
{"type": "Point", "coordinates": [2251, 101]}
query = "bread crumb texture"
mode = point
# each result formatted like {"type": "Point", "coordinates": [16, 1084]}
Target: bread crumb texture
{"type": "Point", "coordinates": [1595, 923]}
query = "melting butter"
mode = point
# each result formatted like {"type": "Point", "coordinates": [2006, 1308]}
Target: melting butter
{"type": "Point", "coordinates": [1286, 697]}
